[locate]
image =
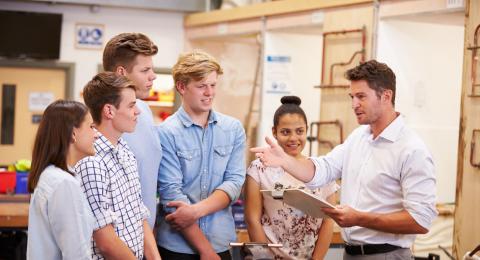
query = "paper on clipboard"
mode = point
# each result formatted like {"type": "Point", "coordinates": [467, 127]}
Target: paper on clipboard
{"type": "Point", "coordinates": [304, 201]}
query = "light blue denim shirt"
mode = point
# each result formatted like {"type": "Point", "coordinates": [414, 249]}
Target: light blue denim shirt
{"type": "Point", "coordinates": [196, 162]}
{"type": "Point", "coordinates": [144, 144]}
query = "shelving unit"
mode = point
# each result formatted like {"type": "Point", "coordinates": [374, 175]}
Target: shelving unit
{"type": "Point", "coordinates": [164, 104]}
{"type": "Point", "coordinates": [159, 107]}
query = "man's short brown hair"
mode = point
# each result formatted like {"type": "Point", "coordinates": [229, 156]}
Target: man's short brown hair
{"type": "Point", "coordinates": [378, 76]}
{"type": "Point", "coordinates": [195, 65]}
{"type": "Point", "coordinates": [122, 49]}
{"type": "Point", "coordinates": [104, 88]}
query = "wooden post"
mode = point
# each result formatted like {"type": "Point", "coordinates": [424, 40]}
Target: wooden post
{"type": "Point", "coordinates": [466, 234]}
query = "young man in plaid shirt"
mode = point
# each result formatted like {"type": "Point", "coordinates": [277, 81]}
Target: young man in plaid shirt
{"type": "Point", "coordinates": [110, 178]}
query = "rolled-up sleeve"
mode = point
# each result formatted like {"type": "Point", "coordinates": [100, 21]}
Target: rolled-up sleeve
{"type": "Point", "coordinates": [95, 182]}
{"type": "Point", "coordinates": [327, 168]}
{"type": "Point", "coordinates": [234, 176]}
{"type": "Point", "coordinates": [419, 187]}
{"type": "Point", "coordinates": [145, 212]}
{"type": "Point", "coordinates": [170, 176]}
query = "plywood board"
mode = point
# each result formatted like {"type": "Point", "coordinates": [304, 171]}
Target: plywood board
{"type": "Point", "coordinates": [335, 103]}
{"type": "Point", "coordinates": [238, 57]}
{"type": "Point", "coordinates": [467, 213]}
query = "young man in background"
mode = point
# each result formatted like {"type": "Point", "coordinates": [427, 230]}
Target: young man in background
{"type": "Point", "coordinates": [130, 55]}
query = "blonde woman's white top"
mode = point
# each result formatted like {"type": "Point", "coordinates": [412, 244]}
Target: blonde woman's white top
{"type": "Point", "coordinates": [60, 222]}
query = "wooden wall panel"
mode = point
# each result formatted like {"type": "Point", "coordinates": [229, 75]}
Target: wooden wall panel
{"type": "Point", "coordinates": [238, 57]}
{"type": "Point", "coordinates": [335, 103]}
{"type": "Point", "coordinates": [467, 213]}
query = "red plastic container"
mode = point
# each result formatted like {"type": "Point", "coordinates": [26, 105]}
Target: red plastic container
{"type": "Point", "coordinates": [8, 181]}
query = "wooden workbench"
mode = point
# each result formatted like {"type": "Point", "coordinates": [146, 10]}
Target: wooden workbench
{"type": "Point", "coordinates": [242, 235]}
{"type": "Point", "coordinates": [14, 211]}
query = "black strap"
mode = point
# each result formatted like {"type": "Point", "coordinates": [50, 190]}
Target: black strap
{"type": "Point", "coordinates": [370, 249]}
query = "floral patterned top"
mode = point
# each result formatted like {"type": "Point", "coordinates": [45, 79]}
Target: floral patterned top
{"type": "Point", "coordinates": [284, 224]}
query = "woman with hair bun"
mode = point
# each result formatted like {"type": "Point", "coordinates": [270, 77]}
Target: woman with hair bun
{"type": "Point", "coordinates": [272, 221]}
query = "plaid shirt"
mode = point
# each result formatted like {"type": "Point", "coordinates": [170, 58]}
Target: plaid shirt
{"type": "Point", "coordinates": [111, 183]}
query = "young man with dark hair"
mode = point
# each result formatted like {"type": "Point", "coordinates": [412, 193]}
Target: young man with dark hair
{"type": "Point", "coordinates": [203, 168]}
{"type": "Point", "coordinates": [388, 176]}
{"type": "Point", "coordinates": [130, 55]}
{"type": "Point", "coordinates": [110, 178]}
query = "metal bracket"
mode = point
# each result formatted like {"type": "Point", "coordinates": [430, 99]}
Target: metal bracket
{"type": "Point", "coordinates": [474, 62]}
{"type": "Point", "coordinates": [277, 192]}
{"type": "Point", "coordinates": [475, 133]}
{"type": "Point", "coordinates": [311, 138]}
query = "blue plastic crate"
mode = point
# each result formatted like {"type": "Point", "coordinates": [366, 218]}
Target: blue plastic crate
{"type": "Point", "coordinates": [22, 182]}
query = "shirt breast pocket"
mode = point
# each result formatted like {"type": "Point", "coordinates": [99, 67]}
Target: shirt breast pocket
{"type": "Point", "coordinates": [189, 162]}
{"type": "Point", "coordinates": [221, 156]}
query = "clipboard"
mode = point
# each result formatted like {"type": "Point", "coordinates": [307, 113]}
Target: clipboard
{"type": "Point", "coordinates": [302, 200]}
{"type": "Point", "coordinates": [253, 250]}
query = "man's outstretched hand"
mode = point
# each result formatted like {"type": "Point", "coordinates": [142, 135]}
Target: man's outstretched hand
{"type": "Point", "coordinates": [271, 155]}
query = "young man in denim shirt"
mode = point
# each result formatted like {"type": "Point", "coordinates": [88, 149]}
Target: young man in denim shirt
{"type": "Point", "coordinates": [203, 167]}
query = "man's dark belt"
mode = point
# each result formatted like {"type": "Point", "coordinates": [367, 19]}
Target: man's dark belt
{"type": "Point", "coordinates": [370, 249]}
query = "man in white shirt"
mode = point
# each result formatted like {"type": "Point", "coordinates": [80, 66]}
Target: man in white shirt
{"type": "Point", "coordinates": [388, 176]}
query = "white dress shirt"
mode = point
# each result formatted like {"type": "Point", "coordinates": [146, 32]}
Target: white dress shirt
{"type": "Point", "coordinates": [60, 223]}
{"type": "Point", "coordinates": [387, 174]}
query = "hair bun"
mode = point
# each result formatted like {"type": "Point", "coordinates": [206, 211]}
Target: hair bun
{"type": "Point", "coordinates": [291, 100]}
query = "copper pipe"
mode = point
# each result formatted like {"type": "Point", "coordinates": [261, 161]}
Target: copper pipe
{"type": "Point", "coordinates": [325, 34]}
{"type": "Point", "coordinates": [311, 138]}
{"type": "Point", "coordinates": [364, 43]}
{"type": "Point", "coordinates": [344, 63]}
{"type": "Point", "coordinates": [474, 49]}
{"type": "Point", "coordinates": [472, 149]}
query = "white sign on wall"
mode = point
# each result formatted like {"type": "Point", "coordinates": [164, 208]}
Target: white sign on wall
{"type": "Point", "coordinates": [455, 3]}
{"type": "Point", "coordinates": [38, 101]}
{"type": "Point", "coordinates": [278, 73]}
{"type": "Point", "coordinates": [89, 36]}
